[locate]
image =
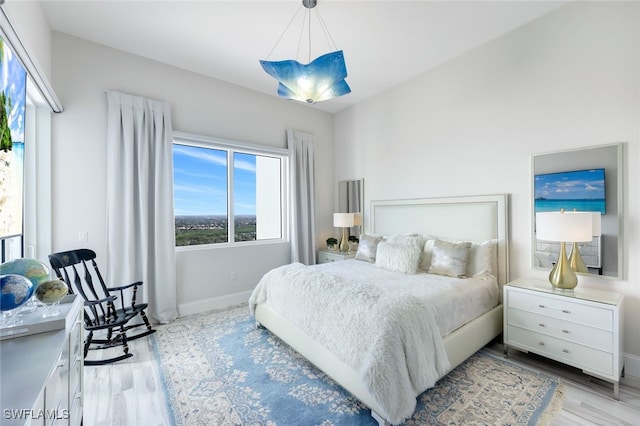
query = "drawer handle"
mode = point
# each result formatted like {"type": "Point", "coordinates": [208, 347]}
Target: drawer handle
{"type": "Point", "coordinates": [541, 306]}
{"type": "Point", "coordinates": [566, 331]}
{"type": "Point", "coordinates": [541, 343]}
{"type": "Point", "coordinates": [566, 351]}
{"type": "Point", "coordinates": [541, 325]}
{"type": "Point", "coordinates": [566, 311]}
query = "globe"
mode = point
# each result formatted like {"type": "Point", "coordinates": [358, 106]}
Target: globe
{"type": "Point", "coordinates": [33, 269]}
{"type": "Point", "coordinates": [15, 291]}
{"type": "Point", "coordinates": [51, 291]}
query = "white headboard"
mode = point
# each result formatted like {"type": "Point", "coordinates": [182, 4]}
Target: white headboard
{"type": "Point", "coordinates": [474, 218]}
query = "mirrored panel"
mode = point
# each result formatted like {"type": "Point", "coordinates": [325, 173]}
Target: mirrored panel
{"type": "Point", "coordinates": [351, 200]}
{"type": "Point", "coordinates": [588, 179]}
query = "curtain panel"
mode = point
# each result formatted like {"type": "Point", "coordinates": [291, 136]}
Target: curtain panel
{"type": "Point", "coordinates": [303, 216]}
{"type": "Point", "coordinates": [140, 216]}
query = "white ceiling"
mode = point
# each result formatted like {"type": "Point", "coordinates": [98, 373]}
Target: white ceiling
{"type": "Point", "coordinates": [384, 42]}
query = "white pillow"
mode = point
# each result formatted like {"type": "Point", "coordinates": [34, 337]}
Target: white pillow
{"type": "Point", "coordinates": [399, 258]}
{"type": "Point", "coordinates": [408, 239]}
{"type": "Point", "coordinates": [427, 254]}
{"type": "Point", "coordinates": [450, 258]}
{"type": "Point", "coordinates": [367, 248]}
{"type": "Point", "coordinates": [483, 259]}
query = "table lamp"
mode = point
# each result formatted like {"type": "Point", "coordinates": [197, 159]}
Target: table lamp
{"type": "Point", "coordinates": [573, 227]}
{"type": "Point", "coordinates": [344, 221]}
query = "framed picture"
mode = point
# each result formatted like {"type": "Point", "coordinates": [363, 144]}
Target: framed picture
{"type": "Point", "coordinates": [580, 190]}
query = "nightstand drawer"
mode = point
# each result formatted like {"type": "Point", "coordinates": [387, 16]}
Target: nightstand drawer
{"type": "Point", "coordinates": [577, 333]}
{"type": "Point", "coordinates": [562, 308]}
{"type": "Point", "coordinates": [588, 359]}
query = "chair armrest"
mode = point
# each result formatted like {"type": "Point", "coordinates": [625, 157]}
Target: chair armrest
{"type": "Point", "coordinates": [124, 287]}
{"type": "Point", "coordinates": [95, 302]}
{"type": "Point", "coordinates": [134, 293]}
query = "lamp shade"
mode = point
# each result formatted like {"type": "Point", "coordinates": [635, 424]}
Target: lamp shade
{"type": "Point", "coordinates": [320, 80]}
{"type": "Point", "coordinates": [564, 226]}
{"type": "Point", "coordinates": [343, 220]}
{"type": "Point", "coordinates": [357, 219]}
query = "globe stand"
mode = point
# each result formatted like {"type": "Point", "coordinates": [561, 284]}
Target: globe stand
{"type": "Point", "coordinates": [51, 309]}
{"type": "Point", "coordinates": [10, 318]}
{"type": "Point", "coordinates": [30, 306]}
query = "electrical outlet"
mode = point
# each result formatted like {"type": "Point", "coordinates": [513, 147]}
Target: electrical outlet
{"type": "Point", "coordinates": [83, 237]}
{"type": "Point", "coordinates": [234, 276]}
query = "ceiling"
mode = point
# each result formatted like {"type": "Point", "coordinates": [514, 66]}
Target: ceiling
{"type": "Point", "coordinates": [384, 42]}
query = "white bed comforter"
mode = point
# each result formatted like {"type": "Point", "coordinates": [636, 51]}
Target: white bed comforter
{"type": "Point", "coordinates": [390, 337]}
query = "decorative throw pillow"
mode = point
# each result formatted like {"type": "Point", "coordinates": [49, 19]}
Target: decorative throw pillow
{"type": "Point", "coordinates": [427, 254]}
{"type": "Point", "coordinates": [450, 258]}
{"type": "Point", "coordinates": [399, 258]}
{"type": "Point", "coordinates": [367, 248]}
{"type": "Point", "coordinates": [483, 259]}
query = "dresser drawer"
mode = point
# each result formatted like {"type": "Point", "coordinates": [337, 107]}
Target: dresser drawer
{"type": "Point", "coordinates": [562, 308]}
{"type": "Point", "coordinates": [588, 359]}
{"type": "Point", "coordinates": [577, 333]}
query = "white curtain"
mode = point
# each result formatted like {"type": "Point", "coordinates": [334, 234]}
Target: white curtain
{"type": "Point", "coordinates": [140, 218]}
{"type": "Point", "coordinates": [303, 215]}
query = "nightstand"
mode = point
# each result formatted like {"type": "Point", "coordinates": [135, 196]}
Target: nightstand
{"type": "Point", "coordinates": [580, 327]}
{"type": "Point", "coordinates": [325, 256]}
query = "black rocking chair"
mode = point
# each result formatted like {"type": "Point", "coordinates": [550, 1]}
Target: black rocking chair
{"type": "Point", "coordinates": [103, 312]}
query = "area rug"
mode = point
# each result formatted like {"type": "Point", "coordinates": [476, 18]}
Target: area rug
{"type": "Point", "coordinates": [218, 368]}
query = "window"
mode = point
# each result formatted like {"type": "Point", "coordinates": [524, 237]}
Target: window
{"type": "Point", "coordinates": [226, 192]}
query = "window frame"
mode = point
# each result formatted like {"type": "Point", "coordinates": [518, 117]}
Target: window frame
{"type": "Point", "coordinates": [231, 147]}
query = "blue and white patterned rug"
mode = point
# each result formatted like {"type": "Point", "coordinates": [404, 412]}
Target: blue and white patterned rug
{"type": "Point", "coordinates": [219, 369]}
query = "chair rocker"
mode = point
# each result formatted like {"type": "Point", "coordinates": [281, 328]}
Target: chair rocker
{"type": "Point", "coordinates": [104, 312]}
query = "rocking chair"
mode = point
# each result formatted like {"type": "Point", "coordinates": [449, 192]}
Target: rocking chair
{"type": "Point", "coordinates": [103, 312]}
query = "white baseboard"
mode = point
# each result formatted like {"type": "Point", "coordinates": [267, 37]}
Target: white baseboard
{"type": "Point", "coordinates": [213, 303]}
{"type": "Point", "coordinates": [631, 370]}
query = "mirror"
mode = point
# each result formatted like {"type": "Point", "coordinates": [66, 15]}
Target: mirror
{"type": "Point", "coordinates": [351, 200]}
{"type": "Point", "coordinates": [588, 179]}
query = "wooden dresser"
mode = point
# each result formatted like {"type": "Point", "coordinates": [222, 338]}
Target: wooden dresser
{"type": "Point", "coordinates": [580, 327]}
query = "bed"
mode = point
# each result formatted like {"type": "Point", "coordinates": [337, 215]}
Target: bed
{"type": "Point", "coordinates": [451, 338]}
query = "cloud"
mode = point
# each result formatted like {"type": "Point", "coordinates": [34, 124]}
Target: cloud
{"type": "Point", "coordinates": [218, 158]}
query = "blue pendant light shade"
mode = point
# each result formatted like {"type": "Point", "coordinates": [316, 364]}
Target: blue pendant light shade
{"type": "Point", "coordinates": [317, 81]}
{"type": "Point", "coordinates": [320, 79]}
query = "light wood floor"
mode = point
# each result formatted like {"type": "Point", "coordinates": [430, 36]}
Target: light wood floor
{"type": "Point", "coordinates": [130, 392]}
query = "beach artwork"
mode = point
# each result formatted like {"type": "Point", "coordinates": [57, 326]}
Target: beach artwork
{"type": "Point", "coordinates": [13, 80]}
{"type": "Point", "coordinates": [579, 190]}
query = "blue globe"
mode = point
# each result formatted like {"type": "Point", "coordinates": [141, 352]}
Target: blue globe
{"type": "Point", "coordinates": [15, 291]}
{"type": "Point", "coordinates": [33, 269]}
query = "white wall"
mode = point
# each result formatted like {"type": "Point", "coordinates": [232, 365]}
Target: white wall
{"type": "Point", "coordinates": [82, 72]}
{"type": "Point", "coordinates": [32, 27]}
{"type": "Point", "coordinates": [567, 80]}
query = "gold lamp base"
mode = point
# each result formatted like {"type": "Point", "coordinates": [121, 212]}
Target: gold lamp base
{"type": "Point", "coordinates": [562, 276]}
{"type": "Point", "coordinates": [575, 260]}
{"type": "Point", "coordinates": [344, 243]}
